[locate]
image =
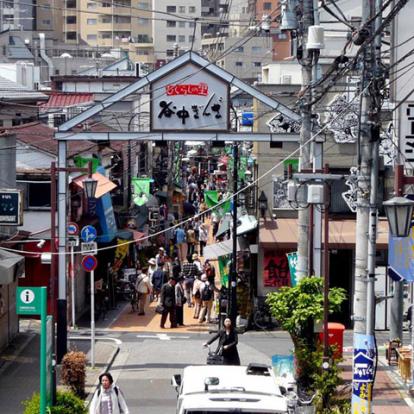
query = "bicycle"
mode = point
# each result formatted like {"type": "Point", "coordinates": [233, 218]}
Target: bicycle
{"type": "Point", "coordinates": [262, 318]}
{"type": "Point", "coordinates": [297, 405]}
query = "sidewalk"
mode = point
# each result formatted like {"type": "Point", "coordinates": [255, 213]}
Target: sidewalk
{"type": "Point", "coordinates": [390, 396]}
{"type": "Point", "coordinates": [150, 322]}
{"type": "Point", "coordinates": [19, 365]}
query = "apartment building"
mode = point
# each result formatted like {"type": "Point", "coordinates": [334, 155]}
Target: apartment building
{"type": "Point", "coordinates": [210, 11]}
{"type": "Point", "coordinates": [115, 24]}
{"type": "Point", "coordinates": [17, 15]}
{"type": "Point", "coordinates": [174, 35]}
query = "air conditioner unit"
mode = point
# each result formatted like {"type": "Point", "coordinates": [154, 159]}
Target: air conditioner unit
{"type": "Point", "coordinates": [286, 79]}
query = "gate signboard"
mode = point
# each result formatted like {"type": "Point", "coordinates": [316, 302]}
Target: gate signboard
{"type": "Point", "coordinates": [190, 98]}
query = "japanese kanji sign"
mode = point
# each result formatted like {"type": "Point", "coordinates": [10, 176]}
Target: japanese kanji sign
{"type": "Point", "coordinates": [407, 132]}
{"type": "Point", "coordinates": [189, 99]}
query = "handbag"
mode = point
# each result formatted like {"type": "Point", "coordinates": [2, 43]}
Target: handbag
{"type": "Point", "coordinates": [215, 358]}
{"type": "Point", "coordinates": [159, 309]}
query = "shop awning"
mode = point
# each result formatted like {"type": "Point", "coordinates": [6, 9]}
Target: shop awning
{"type": "Point", "coordinates": [104, 184]}
{"type": "Point", "coordinates": [213, 251]}
{"type": "Point", "coordinates": [11, 267]}
{"type": "Point", "coordinates": [283, 233]}
{"type": "Point", "coordinates": [245, 224]}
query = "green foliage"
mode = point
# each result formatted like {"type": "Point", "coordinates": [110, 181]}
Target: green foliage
{"type": "Point", "coordinates": [66, 403]}
{"type": "Point", "coordinates": [295, 306]}
{"type": "Point", "coordinates": [297, 309]}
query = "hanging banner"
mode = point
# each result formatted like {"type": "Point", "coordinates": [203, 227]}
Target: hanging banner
{"type": "Point", "coordinates": [400, 257]}
{"type": "Point", "coordinates": [224, 268]}
{"type": "Point", "coordinates": [211, 198]}
{"type": "Point", "coordinates": [83, 162]}
{"type": "Point", "coordinates": [121, 252]}
{"type": "Point", "coordinates": [293, 261]}
{"type": "Point", "coordinates": [141, 190]}
{"type": "Point", "coordinates": [363, 373]}
{"type": "Point", "coordinates": [275, 270]}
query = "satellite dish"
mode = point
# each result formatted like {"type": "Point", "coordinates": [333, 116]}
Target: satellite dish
{"type": "Point", "coordinates": [66, 55]}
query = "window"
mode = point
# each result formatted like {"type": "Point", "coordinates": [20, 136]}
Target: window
{"type": "Point", "coordinates": [257, 64]}
{"type": "Point", "coordinates": [38, 195]}
{"type": "Point", "coordinates": [142, 52]}
{"type": "Point", "coordinates": [142, 21]}
{"type": "Point", "coordinates": [91, 37]}
{"type": "Point", "coordinates": [170, 52]}
{"type": "Point", "coordinates": [239, 64]}
{"type": "Point", "coordinates": [70, 35]}
{"type": "Point", "coordinates": [181, 24]}
{"type": "Point", "coordinates": [143, 38]}
{"type": "Point", "coordinates": [267, 6]}
{"type": "Point", "coordinates": [91, 5]}
{"type": "Point", "coordinates": [106, 35]}
{"type": "Point", "coordinates": [191, 24]}
{"type": "Point", "coordinates": [171, 23]}
{"type": "Point", "coordinates": [256, 49]}
{"type": "Point", "coordinates": [70, 19]}
{"type": "Point", "coordinates": [143, 5]}
{"type": "Point", "coordinates": [122, 19]}
{"type": "Point", "coordinates": [106, 4]}
{"type": "Point", "coordinates": [91, 21]}
{"type": "Point", "coordinates": [71, 4]}
{"type": "Point", "coordinates": [171, 9]}
{"type": "Point", "coordinates": [239, 49]}
{"type": "Point", "coordinates": [106, 19]}
{"type": "Point", "coordinates": [47, 22]}
{"type": "Point", "coordinates": [181, 39]}
{"type": "Point", "coordinates": [181, 9]}
{"type": "Point", "coordinates": [191, 9]}
{"type": "Point", "coordinates": [171, 38]}
{"type": "Point", "coordinates": [191, 38]}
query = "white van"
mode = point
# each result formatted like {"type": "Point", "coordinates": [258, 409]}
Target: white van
{"type": "Point", "coordinates": [211, 389]}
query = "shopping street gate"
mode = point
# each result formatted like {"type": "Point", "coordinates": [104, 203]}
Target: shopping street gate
{"type": "Point", "coordinates": [33, 301]}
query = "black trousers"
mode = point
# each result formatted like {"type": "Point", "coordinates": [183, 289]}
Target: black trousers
{"type": "Point", "coordinates": [179, 315]}
{"type": "Point", "coordinates": [171, 311]}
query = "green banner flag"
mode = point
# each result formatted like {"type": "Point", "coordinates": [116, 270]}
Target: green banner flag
{"type": "Point", "coordinates": [211, 198]}
{"type": "Point", "coordinates": [141, 190]}
{"type": "Point", "coordinates": [224, 268]}
{"type": "Point", "coordinates": [293, 261]}
{"type": "Point", "coordinates": [83, 162]}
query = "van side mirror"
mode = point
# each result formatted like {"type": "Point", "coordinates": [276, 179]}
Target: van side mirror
{"type": "Point", "coordinates": [176, 381]}
{"type": "Point", "coordinates": [283, 390]}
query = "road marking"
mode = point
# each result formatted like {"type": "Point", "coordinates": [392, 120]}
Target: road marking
{"type": "Point", "coordinates": [162, 337]}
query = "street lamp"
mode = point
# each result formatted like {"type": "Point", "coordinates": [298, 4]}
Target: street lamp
{"type": "Point", "coordinates": [90, 185]}
{"type": "Point", "coordinates": [399, 211]}
{"type": "Point", "coordinates": [262, 204]}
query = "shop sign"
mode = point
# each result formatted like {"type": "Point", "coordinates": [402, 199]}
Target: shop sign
{"type": "Point", "coordinates": [407, 132]}
{"type": "Point", "coordinates": [293, 262]}
{"type": "Point", "coordinates": [275, 270]}
{"type": "Point", "coordinates": [190, 99]}
{"type": "Point", "coordinates": [400, 257]}
{"type": "Point", "coordinates": [11, 211]}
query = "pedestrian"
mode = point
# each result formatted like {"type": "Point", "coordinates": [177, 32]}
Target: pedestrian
{"type": "Point", "coordinates": [190, 272]}
{"type": "Point", "coordinates": [191, 240]}
{"type": "Point", "coordinates": [202, 237]}
{"type": "Point", "coordinates": [210, 271]}
{"type": "Point", "coordinates": [181, 243]}
{"type": "Point", "coordinates": [152, 266]}
{"type": "Point", "coordinates": [216, 221]}
{"type": "Point", "coordinates": [108, 398]}
{"type": "Point", "coordinates": [197, 262]}
{"type": "Point", "coordinates": [159, 277]}
{"type": "Point", "coordinates": [160, 258]}
{"type": "Point", "coordinates": [167, 301]}
{"type": "Point", "coordinates": [169, 239]}
{"type": "Point", "coordinates": [197, 297]}
{"type": "Point", "coordinates": [144, 288]}
{"type": "Point", "coordinates": [180, 300]}
{"type": "Point", "coordinates": [207, 295]}
{"type": "Point", "coordinates": [227, 344]}
{"type": "Point", "coordinates": [176, 268]}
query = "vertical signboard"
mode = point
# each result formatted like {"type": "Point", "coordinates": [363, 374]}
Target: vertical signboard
{"type": "Point", "coordinates": [407, 132]}
{"type": "Point", "coordinates": [11, 211]}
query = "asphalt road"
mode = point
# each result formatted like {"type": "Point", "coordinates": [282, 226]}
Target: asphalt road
{"type": "Point", "coordinates": [146, 363]}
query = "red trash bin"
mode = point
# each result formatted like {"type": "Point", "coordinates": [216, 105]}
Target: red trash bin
{"type": "Point", "coordinates": [335, 337]}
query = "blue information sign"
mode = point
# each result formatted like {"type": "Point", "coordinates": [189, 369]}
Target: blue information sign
{"type": "Point", "coordinates": [88, 234]}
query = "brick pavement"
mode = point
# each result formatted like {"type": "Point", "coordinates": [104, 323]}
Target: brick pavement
{"type": "Point", "coordinates": [389, 397]}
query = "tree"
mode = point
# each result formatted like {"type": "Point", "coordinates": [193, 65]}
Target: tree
{"type": "Point", "coordinates": [297, 309]}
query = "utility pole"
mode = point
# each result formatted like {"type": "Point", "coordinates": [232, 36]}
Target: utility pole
{"type": "Point", "coordinates": [302, 269]}
{"type": "Point", "coordinates": [366, 221]}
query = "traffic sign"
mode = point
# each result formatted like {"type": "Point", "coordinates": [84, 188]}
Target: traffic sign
{"type": "Point", "coordinates": [88, 234]}
{"type": "Point", "coordinates": [29, 300]}
{"type": "Point", "coordinates": [89, 263]}
{"type": "Point", "coordinates": [72, 229]}
{"type": "Point", "coordinates": [73, 241]}
{"type": "Point", "coordinates": [89, 248]}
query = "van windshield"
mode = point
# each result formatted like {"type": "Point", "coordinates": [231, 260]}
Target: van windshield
{"type": "Point", "coordinates": [235, 410]}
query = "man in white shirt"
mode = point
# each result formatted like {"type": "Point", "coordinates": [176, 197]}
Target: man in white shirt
{"type": "Point", "coordinates": [143, 287]}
